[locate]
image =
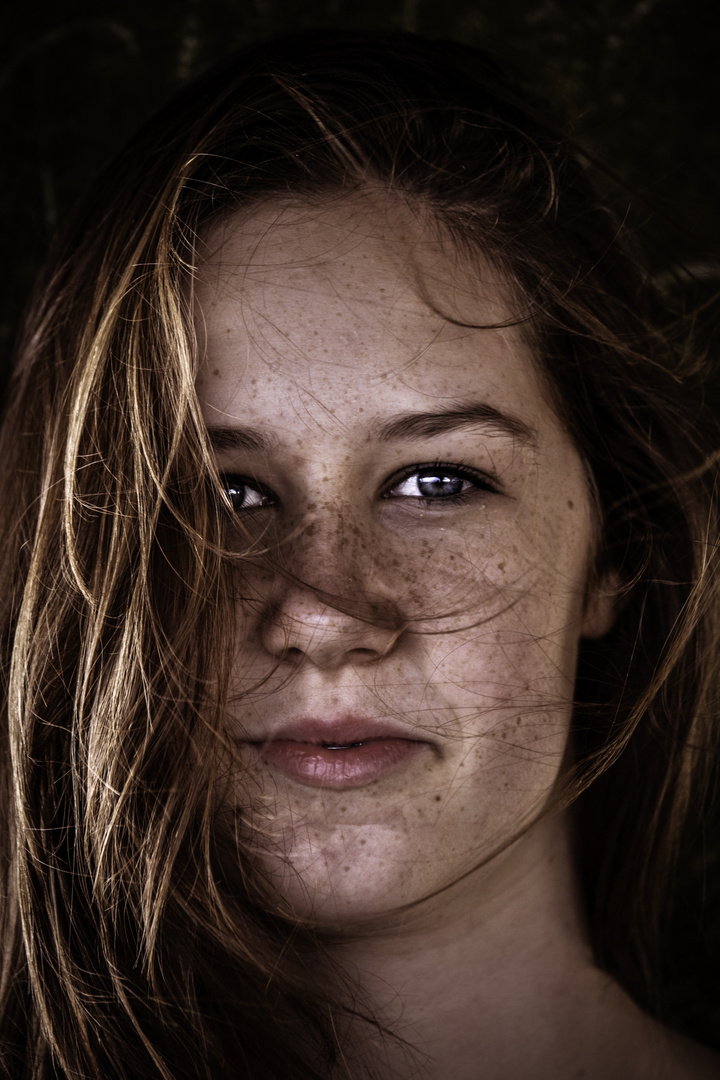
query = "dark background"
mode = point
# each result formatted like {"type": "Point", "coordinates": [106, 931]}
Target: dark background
{"type": "Point", "coordinates": [637, 80]}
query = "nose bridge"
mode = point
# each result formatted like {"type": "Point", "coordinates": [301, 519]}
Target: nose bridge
{"type": "Point", "coordinates": [327, 606]}
{"type": "Point", "coordinates": [322, 547]}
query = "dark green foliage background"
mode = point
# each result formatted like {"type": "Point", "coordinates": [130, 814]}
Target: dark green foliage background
{"type": "Point", "coordinates": [637, 80]}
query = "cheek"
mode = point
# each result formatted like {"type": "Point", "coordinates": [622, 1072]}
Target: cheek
{"type": "Point", "coordinates": [492, 603]}
{"type": "Point", "coordinates": [428, 571]}
{"type": "Point", "coordinates": [497, 691]}
{"type": "Point", "coordinates": [508, 584]}
{"type": "Point", "coordinates": [493, 628]}
{"type": "Point", "coordinates": [485, 667]}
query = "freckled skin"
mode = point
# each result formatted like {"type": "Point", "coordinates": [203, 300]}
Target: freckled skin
{"type": "Point", "coordinates": [461, 620]}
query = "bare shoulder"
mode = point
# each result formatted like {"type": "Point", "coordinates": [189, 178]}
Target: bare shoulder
{"type": "Point", "coordinates": [689, 1060]}
{"type": "Point", "coordinates": [636, 1046]}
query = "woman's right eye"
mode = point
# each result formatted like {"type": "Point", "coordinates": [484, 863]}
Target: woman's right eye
{"type": "Point", "coordinates": [244, 494]}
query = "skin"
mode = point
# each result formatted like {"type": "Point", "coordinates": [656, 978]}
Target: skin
{"type": "Point", "coordinates": [458, 618]}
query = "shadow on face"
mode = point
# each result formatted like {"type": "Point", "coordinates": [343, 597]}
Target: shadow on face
{"type": "Point", "coordinates": [408, 641]}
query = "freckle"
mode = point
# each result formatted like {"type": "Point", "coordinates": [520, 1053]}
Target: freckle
{"type": "Point", "coordinates": [519, 720]}
{"type": "Point", "coordinates": [363, 842]}
{"type": "Point", "coordinates": [501, 566]}
{"type": "Point", "coordinates": [437, 798]}
{"type": "Point", "coordinates": [216, 371]}
{"type": "Point", "coordinates": [346, 868]}
{"type": "Point", "coordinates": [343, 809]}
{"type": "Point", "coordinates": [571, 504]}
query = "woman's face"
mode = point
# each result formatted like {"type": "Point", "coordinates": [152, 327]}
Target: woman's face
{"type": "Point", "coordinates": [422, 535]}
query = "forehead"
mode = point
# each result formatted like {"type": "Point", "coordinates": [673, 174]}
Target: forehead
{"type": "Point", "coordinates": [356, 304]}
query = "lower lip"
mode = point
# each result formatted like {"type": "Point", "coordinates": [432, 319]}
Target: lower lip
{"type": "Point", "coordinates": [345, 767]}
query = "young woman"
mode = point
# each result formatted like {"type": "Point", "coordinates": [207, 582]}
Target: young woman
{"type": "Point", "coordinates": [361, 603]}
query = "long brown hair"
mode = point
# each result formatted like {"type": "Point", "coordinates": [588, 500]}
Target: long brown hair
{"type": "Point", "coordinates": [138, 941]}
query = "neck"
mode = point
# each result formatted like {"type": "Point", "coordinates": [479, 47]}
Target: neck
{"type": "Point", "coordinates": [493, 975]}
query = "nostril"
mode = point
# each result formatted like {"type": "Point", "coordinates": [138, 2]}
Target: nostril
{"type": "Point", "coordinates": [304, 627]}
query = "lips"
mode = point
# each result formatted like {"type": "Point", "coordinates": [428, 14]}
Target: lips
{"type": "Point", "coordinates": [338, 754]}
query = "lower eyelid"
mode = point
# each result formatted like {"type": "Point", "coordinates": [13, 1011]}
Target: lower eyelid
{"type": "Point", "coordinates": [475, 483]}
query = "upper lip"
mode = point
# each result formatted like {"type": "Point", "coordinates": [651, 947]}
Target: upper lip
{"type": "Point", "coordinates": [339, 730]}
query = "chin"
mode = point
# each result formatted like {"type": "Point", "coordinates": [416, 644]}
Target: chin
{"type": "Point", "coordinates": [346, 874]}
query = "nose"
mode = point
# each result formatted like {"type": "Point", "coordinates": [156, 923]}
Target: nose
{"type": "Point", "coordinates": [307, 625]}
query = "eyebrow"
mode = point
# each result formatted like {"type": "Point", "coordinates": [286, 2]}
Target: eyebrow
{"type": "Point", "coordinates": [237, 438]}
{"type": "Point", "coordinates": [424, 425]}
{"type": "Point", "coordinates": [404, 427]}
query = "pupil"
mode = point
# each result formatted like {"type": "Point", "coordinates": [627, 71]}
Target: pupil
{"type": "Point", "coordinates": [440, 485]}
{"type": "Point", "coordinates": [236, 494]}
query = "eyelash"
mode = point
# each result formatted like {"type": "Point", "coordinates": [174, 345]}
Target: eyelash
{"type": "Point", "coordinates": [480, 481]}
{"type": "Point", "coordinates": [231, 481]}
{"type": "Point", "coordinates": [437, 469]}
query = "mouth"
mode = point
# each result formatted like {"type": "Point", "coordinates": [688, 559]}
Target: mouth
{"type": "Point", "coordinates": [338, 755]}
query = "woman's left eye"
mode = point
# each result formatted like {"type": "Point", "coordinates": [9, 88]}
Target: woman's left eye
{"type": "Point", "coordinates": [243, 494]}
{"type": "Point", "coordinates": [436, 482]}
